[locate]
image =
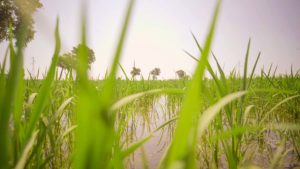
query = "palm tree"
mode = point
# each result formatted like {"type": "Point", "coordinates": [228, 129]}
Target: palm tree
{"type": "Point", "coordinates": [155, 72]}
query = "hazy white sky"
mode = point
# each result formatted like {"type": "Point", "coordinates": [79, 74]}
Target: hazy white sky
{"type": "Point", "coordinates": [160, 30]}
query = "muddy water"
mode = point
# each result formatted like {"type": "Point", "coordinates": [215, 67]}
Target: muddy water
{"type": "Point", "coordinates": [153, 150]}
{"type": "Point", "coordinates": [151, 153]}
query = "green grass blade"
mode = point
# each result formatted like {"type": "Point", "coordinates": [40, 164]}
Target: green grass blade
{"type": "Point", "coordinates": [182, 150]}
{"type": "Point", "coordinates": [274, 73]}
{"type": "Point", "coordinates": [87, 107]}
{"type": "Point", "coordinates": [211, 72]}
{"type": "Point", "coordinates": [125, 153]}
{"type": "Point", "coordinates": [96, 131]}
{"type": "Point", "coordinates": [190, 55]}
{"type": "Point", "coordinates": [222, 74]}
{"type": "Point", "coordinates": [209, 114]}
{"type": "Point", "coordinates": [3, 65]}
{"type": "Point", "coordinates": [247, 111]}
{"type": "Point", "coordinates": [65, 133]}
{"type": "Point", "coordinates": [109, 83]}
{"type": "Point", "coordinates": [197, 43]}
{"type": "Point", "coordinates": [270, 69]}
{"type": "Point", "coordinates": [63, 106]}
{"type": "Point", "coordinates": [21, 163]}
{"type": "Point", "coordinates": [266, 115]}
{"type": "Point", "coordinates": [130, 98]}
{"type": "Point", "coordinates": [13, 92]}
{"type": "Point", "coordinates": [44, 93]}
{"type": "Point", "coordinates": [124, 72]}
{"type": "Point", "coordinates": [269, 80]}
{"type": "Point", "coordinates": [132, 148]}
{"type": "Point", "coordinates": [246, 66]}
{"type": "Point", "coordinates": [253, 69]}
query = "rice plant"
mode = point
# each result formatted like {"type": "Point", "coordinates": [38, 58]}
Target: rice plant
{"type": "Point", "coordinates": [71, 121]}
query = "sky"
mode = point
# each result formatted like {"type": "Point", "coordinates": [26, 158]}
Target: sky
{"type": "Point", "coordinates": [161, 29]}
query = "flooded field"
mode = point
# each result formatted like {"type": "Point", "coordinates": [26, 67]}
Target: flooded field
{"type": "Point", "coordinates": [260, 150]}
{"type": "Point", "coordinates": [208, 111]}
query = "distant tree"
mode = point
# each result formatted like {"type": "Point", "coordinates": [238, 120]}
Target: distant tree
{"type": "Point", "coordinates": [181, 74]}
{"type": "Point", "coordinates": [68, 60]}
{"type": "Point", "coordinates": [65, 62]}
{"type": "Point", "coordinates": [14, 12]}
{"type": "Point", "coordinates": [154, 73]}
{"type": "Point", "coordinates": [135, 71]}
{"type": "Point", "coordinates": [91, 53]}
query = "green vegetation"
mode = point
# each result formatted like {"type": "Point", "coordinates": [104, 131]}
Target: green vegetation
{"type": "Point", "coordinates": [73, 122]}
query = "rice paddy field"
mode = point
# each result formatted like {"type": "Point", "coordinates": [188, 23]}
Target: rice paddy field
{"type": "Point", "coordinates": [210, 120]}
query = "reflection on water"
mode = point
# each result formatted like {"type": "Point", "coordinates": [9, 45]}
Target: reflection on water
{"type": "Point", "coordinates": [146, 118]}
{"type": "Point", "coordinates": [146, 114]}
